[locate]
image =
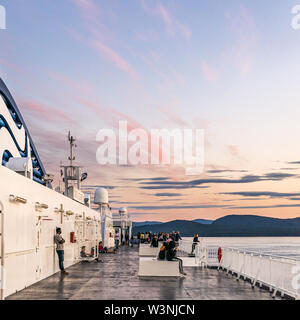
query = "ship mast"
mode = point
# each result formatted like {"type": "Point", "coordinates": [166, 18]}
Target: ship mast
{"type": "Point", "coordinates": [72, 176]}
{"type": "Point", "coordinates": [72, 146]}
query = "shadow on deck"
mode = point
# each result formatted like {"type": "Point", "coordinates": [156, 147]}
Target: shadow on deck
{"type": "Point", "coordinates": [116, 279]}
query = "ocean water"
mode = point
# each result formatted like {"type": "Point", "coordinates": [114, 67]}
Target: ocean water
{"type": "Point", "coordinates": [288, 247]}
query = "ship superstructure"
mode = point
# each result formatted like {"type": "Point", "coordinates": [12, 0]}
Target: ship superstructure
{"type": "Point", "coordinates": [15, 138]}
{"type": "Point", "coordinates": [30, 210]}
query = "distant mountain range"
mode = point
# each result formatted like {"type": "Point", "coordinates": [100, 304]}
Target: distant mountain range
{"type": "Point", "coordinates": [228, 226]}
{"type": "Point", "coordinates": [203, 221]}
{"type": "Point", "coordinates": [146, 223]}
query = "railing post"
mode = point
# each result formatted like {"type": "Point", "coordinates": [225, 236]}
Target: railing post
{"type": "Point", "coordinates": [270, 273]}
{"type": "Point", "coordinates": [239, 275]}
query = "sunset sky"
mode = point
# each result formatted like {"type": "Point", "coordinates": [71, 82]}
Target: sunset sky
{"type": "Point", "coordinates": [229, 67]}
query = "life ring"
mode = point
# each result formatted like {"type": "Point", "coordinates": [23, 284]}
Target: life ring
{"type": "Point", "coordinates": [220, 254]}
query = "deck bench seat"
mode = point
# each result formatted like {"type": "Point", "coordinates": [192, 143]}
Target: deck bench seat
{"type": "Point", "coordinates": [147, 251]}
{"type": "Point", "coordinates": [152, 267]}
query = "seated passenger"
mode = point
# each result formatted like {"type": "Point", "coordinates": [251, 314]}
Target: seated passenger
{"type": "Point", "coordinates": [162, 251]}
{"type": "Point", "coordinates": [83, 254]}
{"type": "Point", "coordinates": [171, 255]}
{"type": "Point", "coordinates": [154, 242]}
{"type": "Point", "coordinates": [92, 251]}
{"type": "Point", "coordinates": [101, 249]}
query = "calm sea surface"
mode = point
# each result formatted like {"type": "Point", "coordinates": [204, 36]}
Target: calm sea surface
{"type": "Point", "coordinates": [280, 246]}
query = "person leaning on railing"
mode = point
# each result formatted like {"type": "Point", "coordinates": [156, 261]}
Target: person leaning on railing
{"type": "Point", "coordinates": [195, 242]}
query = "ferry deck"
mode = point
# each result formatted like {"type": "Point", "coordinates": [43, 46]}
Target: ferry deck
{"type": "Point", "coordinates": [116, 278]}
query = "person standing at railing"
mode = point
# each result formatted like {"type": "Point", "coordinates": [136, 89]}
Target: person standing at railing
{"type": "Point", "coordinates": [195, 243]}
{"type": "Point", "coordinates": [177, 236]}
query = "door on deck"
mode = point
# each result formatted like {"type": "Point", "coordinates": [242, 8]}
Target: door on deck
{"type": "Point", "coordinates": [38, 247]}
{"type": "Point", "coordinates": [79, 236]}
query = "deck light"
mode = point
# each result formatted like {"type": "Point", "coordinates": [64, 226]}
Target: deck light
{"type": "Point", "coordinates": [13, 198]}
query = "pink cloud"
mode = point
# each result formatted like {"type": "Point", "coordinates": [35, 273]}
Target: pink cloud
{"type": "Point", "coordinates": [111, 117]}
{"type": "Point", "coordinates": [171, 78]}
{"type": "Point", "coordinates": [115, 58]}
{"type": "Point", "coordinates": [166, 17]}
{"type": "Point", "coordinates": [186, 31]}
{"type": "Point", "coordinates": [235, 152]}
{"type": "Point", "coordinates": [11, 65]}
{"type": "Point", "coordinates": [243, 26]}
{"type": "Point", "coordinates": [47, 113]}
{"type": "Point", "coordinates": [90, 12]}
{"type": "Point", "coordinates": [87, 7]}
{"type": "Point", "coordinates": [208, 71]}
{"type": "Point", "coordinates": [172, 25]}
{"type": "Point", "coordinates": [83, 86]}
{"type": "Point", "coordinates": [172, 116]}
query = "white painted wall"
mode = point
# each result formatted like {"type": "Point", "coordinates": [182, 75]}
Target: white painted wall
{"type": "Point", "coordinates": [29, 250]}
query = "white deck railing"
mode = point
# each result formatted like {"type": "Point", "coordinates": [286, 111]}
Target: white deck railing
{"type": "Point", "coordinates": [279, 274]}
{"type": "Point", "coordinates": [204, 256]}
{"type": "Point", "coordinates": [185, 246]}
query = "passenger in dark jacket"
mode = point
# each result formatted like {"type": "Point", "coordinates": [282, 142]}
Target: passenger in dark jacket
{"type": "Point", "coordinates": [171, 254]}
{"type": "Point", "coordinates": [154, 242]}
{"type": "Point", "coordinates": [177, 236]}
{"type": "Point", "coordinates": [162, 251]}
{"type": "Point", "coordinates": [195, 242]}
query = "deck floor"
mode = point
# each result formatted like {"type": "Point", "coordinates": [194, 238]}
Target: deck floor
{"type": "Point", "coordinates": [116, 279]}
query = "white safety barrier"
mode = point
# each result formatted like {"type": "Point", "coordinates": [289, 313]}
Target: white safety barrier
{"type": "Point", "coordinates": [202, 254]}
{"type": "Point", "coordinates": [206, 256]}
{"type": "Point", "coordinates": [185, 246]}
{"type": "Point", "coordinates": [279, 274]}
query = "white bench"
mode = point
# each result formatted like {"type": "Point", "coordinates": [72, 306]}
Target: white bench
{"type": "Point", "coordinates": [151, 267]}
{"type": "Point", "coordinates": [147, 251]}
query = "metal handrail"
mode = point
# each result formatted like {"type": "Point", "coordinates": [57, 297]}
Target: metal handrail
{"type": "Point", "coordinates": [261, 253]}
